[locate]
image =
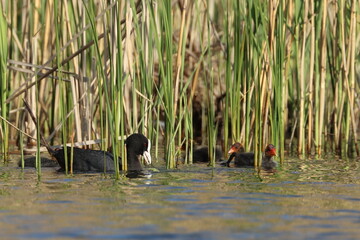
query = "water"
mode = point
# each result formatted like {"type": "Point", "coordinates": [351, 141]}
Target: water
{"type": "Point", "coordinates": [313, 199]}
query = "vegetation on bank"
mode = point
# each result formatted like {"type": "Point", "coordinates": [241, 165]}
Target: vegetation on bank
{"type": "Point", "coordinates": [183, 73]}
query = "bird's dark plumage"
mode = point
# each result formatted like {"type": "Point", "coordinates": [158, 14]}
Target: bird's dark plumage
{"type": "Point", "coordinates": [247, 159]}
{"type": "Point", "coordinates": [86, 160]}
{"type": "Point", "coordinates": [45, 162]}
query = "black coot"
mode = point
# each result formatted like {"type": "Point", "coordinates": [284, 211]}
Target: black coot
{"type": "Point", "coordinates": [86, 160]}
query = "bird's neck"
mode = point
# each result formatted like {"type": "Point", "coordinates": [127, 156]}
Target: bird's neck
{"type": "Point", "coordinates": [133, 162]}
{"type": "Point", "coordinates": [267, 158]}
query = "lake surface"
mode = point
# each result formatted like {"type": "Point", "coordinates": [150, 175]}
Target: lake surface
{"type": "Point", "coordinates": [304, 199]}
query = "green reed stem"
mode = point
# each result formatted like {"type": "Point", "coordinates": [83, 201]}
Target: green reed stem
{"type": "Point", "coordinates": [4, 85]}
{"type": "Point", "coordinates": [119, 114]}
{"type": "Point", "coordinates": [301, 74]}
{"type": "Point", "coordinates": [227, 76]}
{"type": "Point", "coordinates": [212, 130]}
{"type": "Point", "coordinates": [279, 85]}
{"type": "Point", "coordinates": [62, 87]}
{"type": "Point", "coordinates": [21, 148]}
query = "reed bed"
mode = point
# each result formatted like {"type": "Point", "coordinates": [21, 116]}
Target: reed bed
{"type": "Point", "coordinates": [183, 73]}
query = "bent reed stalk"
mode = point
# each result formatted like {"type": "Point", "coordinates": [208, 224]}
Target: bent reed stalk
{"type": "Point", "coordinates": [281, 72]}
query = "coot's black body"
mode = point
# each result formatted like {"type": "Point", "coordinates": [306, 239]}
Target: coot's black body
{"type": "Point", "coordinates": [86, 160]}
{"type": "Point", "coordinates": [45, 162]}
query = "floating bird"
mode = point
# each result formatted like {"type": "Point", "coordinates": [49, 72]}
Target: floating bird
{"type": "Point", "coordinates": [243, 159]}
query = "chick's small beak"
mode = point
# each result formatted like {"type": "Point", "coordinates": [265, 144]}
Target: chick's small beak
{"type": "Point", "coordinates": [147, 157]}
{"type": "Point", "coordinates": [272, 152]}
{"type": "Point", "coordinates": [232, 150]}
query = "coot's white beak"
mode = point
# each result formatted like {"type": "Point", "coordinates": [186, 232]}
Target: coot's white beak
{"type": "Point", "coordinates": [147, 155]}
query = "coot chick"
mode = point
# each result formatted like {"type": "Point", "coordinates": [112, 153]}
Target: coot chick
{"type": "Point", "coordinates": [201, 155]}
{"type": "Point", "coordinates": [247, 159]}
{"type": "Point", "coordinates": [268, 162]}
{"type": "Point", "coordinates": [86, 160]}
{"type": "Point", "coordinates": [242, 158]}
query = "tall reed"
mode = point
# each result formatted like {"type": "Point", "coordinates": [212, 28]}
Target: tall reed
{"type": "Point", "coordinates": [62, 88]}
{"type": "Point", "coordinates": [4, 83]}
{"type": "Point", "coordinates": [164, 50]}
{"type": "Point", "coordinates": [277, 50]}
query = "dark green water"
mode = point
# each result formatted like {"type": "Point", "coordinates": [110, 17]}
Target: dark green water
{"type": "Point", "coordinates": [306, 199]}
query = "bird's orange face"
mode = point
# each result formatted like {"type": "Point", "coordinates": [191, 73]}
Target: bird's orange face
{"type": "Point", "coordinates": [270, 150]}
{"type": "Point", "coordinates": [236, 147]}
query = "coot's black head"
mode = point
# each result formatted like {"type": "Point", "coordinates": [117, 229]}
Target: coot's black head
{"type": "Point", "coordinates": [139, 145]}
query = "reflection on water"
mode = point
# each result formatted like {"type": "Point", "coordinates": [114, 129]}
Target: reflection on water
{"type": "Point", "coordinates": [313, 199]}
